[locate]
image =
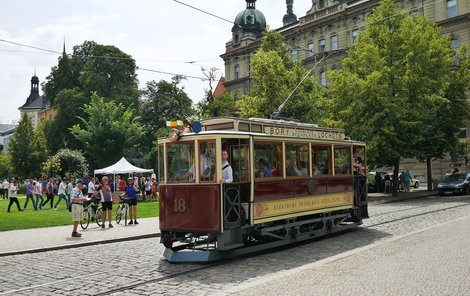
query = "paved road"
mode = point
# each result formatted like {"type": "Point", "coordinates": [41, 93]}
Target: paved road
{"type": "Point", "coordinates": [406, 248]}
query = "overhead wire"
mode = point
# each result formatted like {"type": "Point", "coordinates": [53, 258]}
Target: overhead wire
{"type": "Point", "coordinates": [203, 11]}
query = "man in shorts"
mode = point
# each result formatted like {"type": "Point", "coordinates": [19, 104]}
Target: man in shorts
{"type": "Point", "coordinates": [77, 200]}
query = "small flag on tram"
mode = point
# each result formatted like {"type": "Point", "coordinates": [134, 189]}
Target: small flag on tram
{"type": "Point", "coordinates": [175, 124]}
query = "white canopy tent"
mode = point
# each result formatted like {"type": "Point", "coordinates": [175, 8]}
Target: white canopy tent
{"type": "Point", "coordinates": [122, 167]}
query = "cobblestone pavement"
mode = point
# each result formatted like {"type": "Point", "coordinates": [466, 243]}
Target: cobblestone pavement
{"type": "Point", "coordinates": [361, 261]}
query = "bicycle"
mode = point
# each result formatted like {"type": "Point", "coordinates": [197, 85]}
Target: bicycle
{"type": "Point", "coordinates": [89, 216]}
{"type": "Point", "coordinates": [122, 210]}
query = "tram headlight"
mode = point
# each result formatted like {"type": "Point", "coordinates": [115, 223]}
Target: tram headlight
{"type": "Point", "coordinates": [174, 135]}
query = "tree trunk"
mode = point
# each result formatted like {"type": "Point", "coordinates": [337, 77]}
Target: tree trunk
{"type": "Point", "coordinates": [429, 172]}
{"type": "Point", "coordinates": [396, 168]}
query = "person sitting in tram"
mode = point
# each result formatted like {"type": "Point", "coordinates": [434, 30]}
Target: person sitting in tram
{"type": "Point", "coordinates": [291, 169]}
{"type": "Point", "coordinates": [303, 168]}
{"type": "Point", "coordinates": [316, 170]}
{"type": "Point", "coordinates": [264, 172]}
{"type": "Point", "coordinates": [227, 172]}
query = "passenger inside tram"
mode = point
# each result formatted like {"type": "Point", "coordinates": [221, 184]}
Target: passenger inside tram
{"type": "Point", "coordinates": [264, 172]}
{"type": "Point", "coordinates": [291, 169]}
{"type": "Point", "coordinates": [316, 170]}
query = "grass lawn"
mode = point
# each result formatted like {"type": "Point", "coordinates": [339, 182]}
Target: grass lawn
{"type": "Point", "coordinates": [47, 217]}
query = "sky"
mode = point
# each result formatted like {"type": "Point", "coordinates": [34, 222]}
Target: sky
{"type": "Point", "coordinates": [161, 35]}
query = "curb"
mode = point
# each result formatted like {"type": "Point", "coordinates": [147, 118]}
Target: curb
{"type": "Point", "coordinates": [389, 199]}
{"type": "Point", "coordinates": [78, 245]}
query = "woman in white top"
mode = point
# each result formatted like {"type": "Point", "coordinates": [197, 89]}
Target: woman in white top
{"type": "Point", "coordinates": [227, 172]}
{"type": "Point", "coordinates": [13, 197]}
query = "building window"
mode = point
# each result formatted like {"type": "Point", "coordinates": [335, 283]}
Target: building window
{"type": "Point", "coordinates": [334, 42]}
{"type": "Point", "coordinates": [355, 33]}
{"type": "Point", "coordinates": [321, 4]}
{"type": "Point", "coordinates": [323, 78]}
{"type": "Point", "coordinates": [322, 44]}
{"type": "Point", "coordinates": [451, 8]}
{"type": "Point", "coordinates": [294, 54]}
{"type": "Point", "coordinates": [311, 49]}
{"type": "Point", "coordinates": [455, 43]}
{"type": "Point", "coordinates": [237, 71]}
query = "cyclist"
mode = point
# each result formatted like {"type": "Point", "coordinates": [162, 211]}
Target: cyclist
{"type": "Point", "coordinates": [131, 193]}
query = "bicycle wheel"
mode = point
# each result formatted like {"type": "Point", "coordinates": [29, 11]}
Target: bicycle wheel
{"type": "Point", "coordinates": [118, 214]}
{"type": "Point", "coordinates": [99, 216]}
{"type": "Point", "coordinates": [85, 219]}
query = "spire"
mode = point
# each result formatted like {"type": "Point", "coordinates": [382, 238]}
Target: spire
{"type": "Point", "coordinates": [63, 51]}
{"type": "Point", "coordinates": [290, 17]}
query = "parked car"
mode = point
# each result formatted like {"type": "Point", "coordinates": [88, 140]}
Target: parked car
{"type": "Point", "coordinates": [458, 183]}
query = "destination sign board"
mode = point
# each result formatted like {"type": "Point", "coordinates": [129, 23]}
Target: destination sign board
{"type": "Point", "coordinates": [304, 133]}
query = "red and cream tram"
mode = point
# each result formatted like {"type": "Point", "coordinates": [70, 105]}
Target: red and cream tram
{"type": "Point", "coordinates": [291, 182]}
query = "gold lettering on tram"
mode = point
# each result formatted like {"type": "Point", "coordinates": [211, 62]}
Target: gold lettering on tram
{"type": "Point", "coordinates": [303, 133]}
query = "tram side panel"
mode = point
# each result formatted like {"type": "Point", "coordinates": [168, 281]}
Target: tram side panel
{"type": "Point", "coordinates": [278, 199]}
{"type": "Point", "coordinates": [190, 208]}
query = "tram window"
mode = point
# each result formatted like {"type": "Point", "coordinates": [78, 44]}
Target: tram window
{"type": "Point", "coordinates": [268, 160]}
{"type": "Point", "coordinates": [239, 159]}
{"type": "Point", "coordinates": [160, 163]}
{"type": "Point", "coordinates": [207, 161]}
{"type": "Point", "coordinates": [342, 160]}
{"type": "Point", "coordinates": [321, 156]}
{"type": "Point", "coordinates": [181, 162]}
{"type": "Point", "coordinates": [297, 160]}
{"type": "Point", "coordinates": [359, 156]}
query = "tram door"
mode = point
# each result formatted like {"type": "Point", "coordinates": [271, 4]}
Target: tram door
{"type": "Point", "coordinates": [360, 180]}
{"type": "Point", "coordinates": [236, 195]}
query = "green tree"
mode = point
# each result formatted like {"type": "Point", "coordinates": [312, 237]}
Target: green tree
{"type": "Point", "coordinates": [6, 169]}
{"type": "Point", "coordinates": [27, 149]}
{"type": "Point", "coordinates": [395, 75]}
{"type": "Point", "coordinates": [108, 131]}
{"type": "Point", "coordinates": [69, 103]}
{"type": "Point", "coordinates": [66, 163]}
{"type": "Point", "coordinates": [163, 101]}
{"type": "Point", "coordinates": [275, 77]}
{"type": "Point", "coordinates": [93, 67]}
{"type": "Point", "coordinates": [223, 105]}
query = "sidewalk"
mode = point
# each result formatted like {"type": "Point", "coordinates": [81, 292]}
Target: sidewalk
{"type": "Point", "coordinates": [53, 238]}
{"type": "Point", "coordinates": [387, 197]}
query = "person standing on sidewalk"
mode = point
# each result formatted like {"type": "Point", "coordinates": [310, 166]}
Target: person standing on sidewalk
{"type": "Point", "coordinates": [406, 180]}
{"type": "Point", "coordinates": [106, 195]}
{"type": "Point", "coordinates": [62, 193]}
{"type": "Point", "coordinates": [131, 193]}
{"type": "Point", "coordinates": [77, 200]}
{"type": "Point", "coordinates": [13, 196]}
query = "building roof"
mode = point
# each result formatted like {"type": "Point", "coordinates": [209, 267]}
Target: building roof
{"type": "Point", "coordinates": [251, 20]}
{"type": "Point", "coordinates": [6, 129]}
{"type": "Point", "coordinates": [220, 88]}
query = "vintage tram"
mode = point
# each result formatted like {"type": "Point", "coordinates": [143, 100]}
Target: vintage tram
{"type": "Point", "coordinates": [291, 182]}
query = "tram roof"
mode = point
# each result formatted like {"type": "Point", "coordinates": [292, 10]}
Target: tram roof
{"type": "Point", "coordinates": [269, 127]}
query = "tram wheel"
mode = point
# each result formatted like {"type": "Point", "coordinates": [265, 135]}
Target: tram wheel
{"type": "Point", "coordinates": [167, 241]}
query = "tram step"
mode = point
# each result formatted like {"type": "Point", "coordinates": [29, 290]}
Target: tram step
{"type": "Point", "coordinates": [226, 247]}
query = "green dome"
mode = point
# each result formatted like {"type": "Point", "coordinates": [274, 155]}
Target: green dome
{"type": "Point", "coordinates": [251, 20]}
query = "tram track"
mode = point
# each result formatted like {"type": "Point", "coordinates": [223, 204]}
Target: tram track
{"type": "Point", "coordinates": [158, 279]}
{"type": "Point", "coordinates": [416, 215]}
{"type": "Point", "coordinates": [414, 208]}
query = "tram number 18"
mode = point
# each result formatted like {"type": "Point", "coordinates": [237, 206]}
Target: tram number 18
{"type": "Point", "coordinates": [180, 205]}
